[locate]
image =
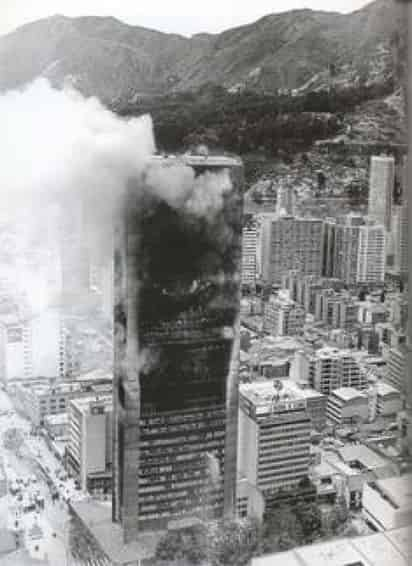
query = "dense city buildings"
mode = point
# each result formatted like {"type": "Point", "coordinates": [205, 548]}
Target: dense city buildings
{"type": "Point", "coordinates": [176, 349]}
{"type": "Point", "coordinates": [291, 243]}
{"type": "Point", "coordinates": [35, 346]}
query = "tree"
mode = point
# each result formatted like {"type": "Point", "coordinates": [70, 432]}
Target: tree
{"type": "Point", "coordinates": [309, 517]}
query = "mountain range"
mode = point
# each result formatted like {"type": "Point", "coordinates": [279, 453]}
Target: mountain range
{"type": "Point", "coordinates": [299, 49]}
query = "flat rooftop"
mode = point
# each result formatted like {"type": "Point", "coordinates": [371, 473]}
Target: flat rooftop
{"type": "Point", "coordinates": [194, 160]}
{"type": "Point", "coordinates": [364, 455]}
{"type": "Point", "coordinates": [348, 394]}
{"type": "Point", "coordinates": [378, 549]}
{"type": "Point", "coordinates": [398, 489]}
{"type": "Point", "coordinates": [97, 519]}
{"type": "Point", "coordinates": [263, 394]}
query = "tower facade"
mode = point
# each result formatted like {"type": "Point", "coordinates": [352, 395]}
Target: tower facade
{"type": "Point", "coordinates": [177, 295]}
{"type": "Point", "coordinates": [381, 189]}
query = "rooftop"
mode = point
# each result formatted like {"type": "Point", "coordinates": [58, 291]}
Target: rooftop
{"type": "Point", "coordinates": [384, 389]}
{"type": "Point", "coordinates": [398, 489]}
{"type": "Point", "coordinates": [198, 160]}
{"type": "Point", "coordinates": [364, 455]}
{"type": "Point", "coordinates": [348, 394]}
{"type": "Point", "coordinates": [83, 404]}
{"type": "Point", "coordinates": [264, 394]}
{"type": "Point", "coordinates": [378, 549]}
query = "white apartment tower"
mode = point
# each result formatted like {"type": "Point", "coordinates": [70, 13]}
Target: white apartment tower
{"type": "Point", "coordinates": [371, 254]}
{"type": "Point", "coordinates": [381, 187]}
{"type": "Point", "coordinates": [249, 250]}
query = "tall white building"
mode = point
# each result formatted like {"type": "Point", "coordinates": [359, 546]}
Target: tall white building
{"type": "Point", "coordinates": [400, 239]}
{"type": "Point", "coordinates": [381, 188]}
{"type": "Point", "coordinates": [274, 437]}
{"type": "Point", "coordinates": [249, 250]}
{"type": "Point", "coordinates": [371, 261]}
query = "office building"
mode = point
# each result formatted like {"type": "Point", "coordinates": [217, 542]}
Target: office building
{"type": "Point", "coordinates": [381, 190]}
{"type": "Point", "coordinates": [347, 405]}
{"type": "Point", "coordinates": [342, 248]}
{"type": "Point", "coordinates": [388, 400]}
{"type": "Point", "coordinates": [283, 317]}
{"type": "Point", "coordinates": [400, 239]}
{"type": "Point", "coordinates": [274, 437]}
{"type": "Point", "coordinates": [291, 243]}
{"type": "Point", "coordinates": [387, 503]}
{"type": "Point", "coordinates": [176, 351]}
{"type": "Point", "coordinates": [371, 255]}
{"type": "Point", "coordinates": [285, 201]}
{"type": "Point", "coordinates": [337, 310]}
{"type": "Point", "coordinates": [396, 374]}
{"type": "Point", "coordinates": [34, 346]}
{"type": "Point", "coordinates": [89, 450]}
{"type": "Point", "coordinates": [328, 369]}
{"type": "Point", "coordinates": [249, 251]}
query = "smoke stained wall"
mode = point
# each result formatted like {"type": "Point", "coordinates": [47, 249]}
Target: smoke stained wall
{"type": "Point", "coordinates": [177, 325]}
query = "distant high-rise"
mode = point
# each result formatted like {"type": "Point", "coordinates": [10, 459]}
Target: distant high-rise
{"type": "Point", "coordinates": [400, 239]}
{"type": "Point", "coordinates": [249, 251]}
{"type": "Point", "coordinates": [381, 189]}
{"type": "Point", "coordinates": [371, 254]}
{"type": "Point", "coordinates": [290, 243]}
{"type": "Point", "coordinates": [285, 202]}
{"type": "Point", "coordinates": [177, 296]}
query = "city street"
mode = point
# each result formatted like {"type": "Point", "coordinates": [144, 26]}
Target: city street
{"type": "Point", "coordinates": [43, 521]}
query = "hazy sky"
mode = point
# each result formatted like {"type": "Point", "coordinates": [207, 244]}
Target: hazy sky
{"type": "Point", "coordinates": [180, 16]}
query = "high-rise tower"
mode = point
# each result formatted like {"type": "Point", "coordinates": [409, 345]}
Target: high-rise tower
{"type": "Point", "coordinates": [177, 295]}
{"type": "Point", "coordinates": [381, 188]}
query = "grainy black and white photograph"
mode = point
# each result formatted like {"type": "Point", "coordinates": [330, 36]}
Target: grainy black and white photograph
{"type": "Point", "coordinates": [205, 349]}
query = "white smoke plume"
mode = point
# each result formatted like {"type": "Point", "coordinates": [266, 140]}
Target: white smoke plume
{"type": "Point", "coordinates": [57, 142]}
{"type": "Point", "coordinates": [59, 148]}
{"type": "Point", "coordinates": [201, 196]}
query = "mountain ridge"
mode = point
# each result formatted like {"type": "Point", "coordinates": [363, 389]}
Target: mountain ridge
{"type": "Point", "coordinates": [115, 61]}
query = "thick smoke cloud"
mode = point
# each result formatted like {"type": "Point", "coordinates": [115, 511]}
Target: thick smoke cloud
{"type": "Point", "coordinates": [59, 149]}
{"type": "Point", "coordinates": [201, 196]}
{"type": "Point", "coordinates": [56, 143]}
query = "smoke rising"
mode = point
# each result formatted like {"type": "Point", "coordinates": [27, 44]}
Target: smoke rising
{"type": "Point", "coordinates": [200, 196]}
{"type": "Point", "coordinates": [61, 149]}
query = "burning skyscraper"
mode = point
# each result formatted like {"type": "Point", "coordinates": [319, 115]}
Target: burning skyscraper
{"type": "Point", "coordinates": [177, 286]}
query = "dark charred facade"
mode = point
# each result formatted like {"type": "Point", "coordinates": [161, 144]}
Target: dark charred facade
{"type": "Point", "coordinates": [177, 286]}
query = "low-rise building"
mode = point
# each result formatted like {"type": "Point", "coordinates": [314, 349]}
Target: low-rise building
{"type": "Point", "coordinates": [347, 405]}
{"type": "Point", "coordinates": [388, 400]}
{"type": "Point", "coordinates": [89, 452]}
{"type": "Point", "coordinates": [57, 426]}
{"type": "Point", "coordinates": [377, 549]}
{"type": "Point", "coordinates": [283, 317]}
{"type": "Point", "coordinates": [387, 503]}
